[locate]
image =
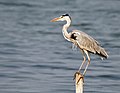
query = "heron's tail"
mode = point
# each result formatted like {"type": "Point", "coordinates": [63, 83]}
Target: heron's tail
{"type": "Point", "coordinates": [102, 52]}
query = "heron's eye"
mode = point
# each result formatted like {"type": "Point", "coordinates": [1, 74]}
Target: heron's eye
{"type": "Point", "coordinates": [61, 16]}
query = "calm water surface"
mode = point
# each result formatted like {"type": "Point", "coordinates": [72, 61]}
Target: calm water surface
{"type": "Point", "coordinates": [35, 58]}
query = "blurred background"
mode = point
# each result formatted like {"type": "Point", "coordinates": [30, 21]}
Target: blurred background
{"type": "Point", "coordinates": [34, 56]}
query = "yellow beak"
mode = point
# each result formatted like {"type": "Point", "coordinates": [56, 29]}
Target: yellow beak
{"type": "Point", "coordinates": [55, 19]}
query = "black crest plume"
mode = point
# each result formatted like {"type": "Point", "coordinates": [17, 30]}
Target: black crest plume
{"type": "Point", "coordinates": [66, 15]}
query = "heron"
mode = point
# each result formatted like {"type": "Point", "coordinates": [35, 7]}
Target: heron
{"type": "Point", "coordinates": [83, 41]}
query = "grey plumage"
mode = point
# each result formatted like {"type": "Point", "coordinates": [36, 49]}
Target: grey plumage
{"type": "Point", "coordinates": [82, 40]}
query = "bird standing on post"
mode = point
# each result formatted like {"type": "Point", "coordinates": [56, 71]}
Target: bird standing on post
{"type": "Point", "coordinates": [82, 40]}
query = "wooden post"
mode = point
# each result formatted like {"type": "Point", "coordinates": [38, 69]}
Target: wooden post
{"type": "Point", "coordinates": [79, 81]}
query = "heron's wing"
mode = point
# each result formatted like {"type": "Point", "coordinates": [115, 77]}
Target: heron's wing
{"type": "Point", "coordinates": [84, 41]}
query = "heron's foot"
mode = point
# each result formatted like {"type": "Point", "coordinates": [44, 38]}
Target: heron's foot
{"type": "Point", "coordinates": [77, 72]}
{"type": "Point", "coordinates": [81, 77]}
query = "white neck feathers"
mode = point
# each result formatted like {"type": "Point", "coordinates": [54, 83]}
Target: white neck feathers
{"type": "Point", "coordinates": [65, 27]}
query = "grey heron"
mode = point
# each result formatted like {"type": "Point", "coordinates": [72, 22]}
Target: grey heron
{"type": "Point", "coordinates": [83, 41]}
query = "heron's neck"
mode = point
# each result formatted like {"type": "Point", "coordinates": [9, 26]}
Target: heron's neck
{"type": "Point", "coordinates": [65, 28]}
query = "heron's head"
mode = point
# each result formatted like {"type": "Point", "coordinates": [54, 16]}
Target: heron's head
{"type": "Point", "coordinates": [64, 17]}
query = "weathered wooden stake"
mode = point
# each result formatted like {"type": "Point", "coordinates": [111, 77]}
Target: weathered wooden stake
{"type": "Point", "coordinates": [79, 81]}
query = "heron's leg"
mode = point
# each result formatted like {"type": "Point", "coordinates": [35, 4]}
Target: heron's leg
{"type": "Point", "coordinates": [84, 59]}
{"type": "Point", "coordinates": [87, 63]}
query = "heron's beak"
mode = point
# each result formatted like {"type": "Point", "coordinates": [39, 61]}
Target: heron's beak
{"type": "Point", "coordinates": [55, 19]}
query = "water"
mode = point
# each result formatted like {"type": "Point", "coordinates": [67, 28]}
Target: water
{"type": "Point", "coordinates": [35, 58]}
